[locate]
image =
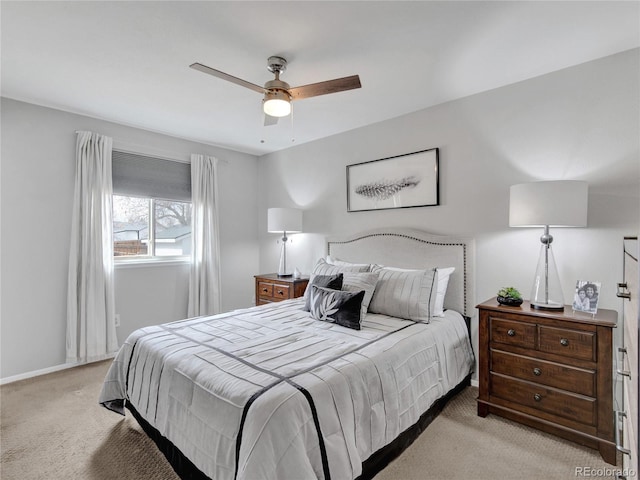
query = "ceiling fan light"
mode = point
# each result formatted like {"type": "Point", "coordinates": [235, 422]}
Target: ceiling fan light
{"type": "Point", "coordinates": [277, 104]}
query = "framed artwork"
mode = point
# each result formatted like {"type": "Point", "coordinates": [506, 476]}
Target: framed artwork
{"type": "Point", "coordinates": [585, 298]}
{"type": "Point", "coordinates": [403, 181]}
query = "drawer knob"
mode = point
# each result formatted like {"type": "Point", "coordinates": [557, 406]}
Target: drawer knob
{"type": "Point", "coordinates": [537, 397]}
{"type": "Point", "coordinates": [537, 372]}
{"type": "Point", "coordinates": [564, 342]}
{"type": "Point", "coordinates": [264, 290]}
{"type": "Point", "coordinates": [280, 292]}
{"type": "Point", "coordinates": [511, 332]}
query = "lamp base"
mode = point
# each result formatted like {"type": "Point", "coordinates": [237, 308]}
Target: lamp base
{"type": "Point", "coordinates": [546, 293]}
{"type": "Point", "coordinates": [282, 267]}
{"type": "Point", "coordinates": [547, 306]}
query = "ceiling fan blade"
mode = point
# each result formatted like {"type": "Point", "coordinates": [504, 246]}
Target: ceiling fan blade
{"type": "Point", "coordinates": [323, 88]}
{"type": "Point", "coordinates": [269, 120]}
{"type": "Point", "coordinates": [225, 76]}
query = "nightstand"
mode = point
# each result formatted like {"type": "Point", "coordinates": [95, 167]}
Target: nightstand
{"type": "Point", "coordinates": [551, 370]}
{"type": "Point", "coordinates": [272, 288]}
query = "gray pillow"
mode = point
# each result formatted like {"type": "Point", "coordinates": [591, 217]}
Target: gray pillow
{"type": "Point", "coordinates": [405, 294]}
{"type": "Point", "coordinates": [357, 281]}
{"type": "Point", "coordinates": [336, 306]}
{"type": "Point", "coordinates": [329, 281]}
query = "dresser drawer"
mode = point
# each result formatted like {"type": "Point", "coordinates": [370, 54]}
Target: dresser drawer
{"type": "Point", "coordinates": [265, 289]}
{"type": "Point", "coordinates": [552, 374]}
{"type": "Point", "coordinates": [570, 343]}
{"type": "Point", "coordinates": [559, 403]}
{"type": "Point", "coordinates": [280, 291]}
{"type": "Point", "coordinates": [518, 334]}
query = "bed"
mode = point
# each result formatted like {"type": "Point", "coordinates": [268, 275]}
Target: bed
{"type": "Point", "coordinates": [271, 392]}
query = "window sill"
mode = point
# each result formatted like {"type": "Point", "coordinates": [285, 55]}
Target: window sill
{"type": "Point", "coordinates": [148, 262]}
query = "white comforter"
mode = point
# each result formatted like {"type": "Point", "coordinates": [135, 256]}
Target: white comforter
{"type": "Point", "coordinates": [244, 394]}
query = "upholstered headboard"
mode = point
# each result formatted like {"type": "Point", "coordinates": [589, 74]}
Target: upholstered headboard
{"type": "Point", "coordinates": [410, 248]}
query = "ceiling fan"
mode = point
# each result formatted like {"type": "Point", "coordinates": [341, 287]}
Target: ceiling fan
{"type": "Point", "coordinates": [278, 95]}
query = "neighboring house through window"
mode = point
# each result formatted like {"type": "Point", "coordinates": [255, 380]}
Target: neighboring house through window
{"type": "Point", "coordinates": [151, 207]}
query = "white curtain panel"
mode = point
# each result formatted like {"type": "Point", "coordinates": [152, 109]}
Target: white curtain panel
{"type": "Point", "coordinates": [91, 329]}
{"type": "Point", "coordinates": [204, 281]}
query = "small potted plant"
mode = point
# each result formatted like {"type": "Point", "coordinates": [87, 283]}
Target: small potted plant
{"type": "Point", "coordinates": [509, 296]}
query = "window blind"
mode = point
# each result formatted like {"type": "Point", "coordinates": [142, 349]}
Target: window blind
{"type": "Point", "coordinates": [144, 176]}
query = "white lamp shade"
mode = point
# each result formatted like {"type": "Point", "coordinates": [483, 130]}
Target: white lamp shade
{"type": "Point", "coordinates": [284, 220]}
{"type": "Point", "coordinates": [561, 203]}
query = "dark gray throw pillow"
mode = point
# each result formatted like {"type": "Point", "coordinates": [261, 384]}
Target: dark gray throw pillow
{"type": "Point", "coordinates": [336, 306]}
{"type": "Point", "coordinates": [328, 281]}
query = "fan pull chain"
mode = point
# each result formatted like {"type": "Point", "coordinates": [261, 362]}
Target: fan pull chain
{"type": "Point", "coordinates": [293, 139]}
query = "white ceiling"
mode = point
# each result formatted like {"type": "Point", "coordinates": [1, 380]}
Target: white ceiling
{"type": "Point", "coordinates": [128, 62]}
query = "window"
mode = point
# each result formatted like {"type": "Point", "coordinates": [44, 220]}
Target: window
{"type": "Point", "coordinates": [132, 235]}
{"type": "Point", "coordinates": [151, 207]}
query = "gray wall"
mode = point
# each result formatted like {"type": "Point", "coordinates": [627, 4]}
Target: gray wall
{"type": "Point", "coordinates": [38, 171]}
{"type": "Point", "coordinates": [580, 123]}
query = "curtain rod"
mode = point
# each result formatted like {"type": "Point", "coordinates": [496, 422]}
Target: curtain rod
{"type": "Point", "coordinates": [147, 150]}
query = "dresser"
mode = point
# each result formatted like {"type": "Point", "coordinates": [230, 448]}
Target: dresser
{"type": "Point", "coordinates": [627, 368]}
{"type": "Point", "coordinates": [551, 370]}
{"type": "Point", "coordinates": [272, 288]}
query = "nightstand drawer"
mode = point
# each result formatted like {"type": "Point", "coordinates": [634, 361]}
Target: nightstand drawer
{"type": "Point", "coordinates": [563, 404]}
{"type": "Point", "coordinates": [265, 289]}
{"type": "Point", "coordinates": [552, 374]}
{"type": "Point", "coordinates": [570, 343]}
{"type": "Point", "coordinates": [280, 291]}
{"type": "Point", "coordinates": [518, 334]}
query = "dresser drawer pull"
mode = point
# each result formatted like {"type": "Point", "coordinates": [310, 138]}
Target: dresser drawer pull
{"type": "Point", "coordinates": [537, 397]}
{"type": "Point", "coordinates": [537, 372]}
{"type": "Point", "coordinates": [623, 292]}
{"type": "Point", "coordinates": [265, 290]}
{"type": "Point", "coordinates": [564, 342]}
{"type": "Point", "coordinates": [619, 371]}
{"type": "Point", "coordinates": [623, 373]}
{"type": "Point", "coordinates": [619, 447]}
{"type": "Point", "coordinates": [280, 292]}
{"type": "Point", "coordinates": [511, 332]}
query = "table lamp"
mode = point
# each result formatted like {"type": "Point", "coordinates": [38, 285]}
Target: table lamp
{"type": "Point", "coordinates": [284, 220]}
{"type": "Point", "coordinates": [561, 203]}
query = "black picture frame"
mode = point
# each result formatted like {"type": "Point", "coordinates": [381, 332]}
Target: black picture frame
{"type": "Point", "coordinates": [403, 181]}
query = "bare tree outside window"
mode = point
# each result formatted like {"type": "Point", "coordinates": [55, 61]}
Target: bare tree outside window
{"type": "Point", "coordinates": [132, 235]}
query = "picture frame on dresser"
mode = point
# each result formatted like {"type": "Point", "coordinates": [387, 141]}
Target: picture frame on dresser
{"type": "Point", "coordinates": [586, 296]}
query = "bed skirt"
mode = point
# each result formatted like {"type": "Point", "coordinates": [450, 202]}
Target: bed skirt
{"type": "Point", "coordinates": [186, 470]}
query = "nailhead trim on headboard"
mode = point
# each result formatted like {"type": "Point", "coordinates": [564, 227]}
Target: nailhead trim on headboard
{"type": "Point", "coordinates": [421, 240]}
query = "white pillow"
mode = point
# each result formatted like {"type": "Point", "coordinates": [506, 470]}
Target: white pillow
{"type": "Point", "coordinates": [323, 268]}
{"type": "Point", "coordinates": [339, 263]}
{"type": "Point", "coordinates": [443, 281]}
{"type": "Point", "coordinates": [409, 294]}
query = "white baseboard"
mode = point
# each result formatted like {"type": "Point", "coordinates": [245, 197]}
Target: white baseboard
{"type": "Point", "coordinates": [44, 371]}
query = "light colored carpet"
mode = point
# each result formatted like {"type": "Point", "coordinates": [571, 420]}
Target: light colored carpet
{"type": "Point", "coordinates": [52, 428]}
